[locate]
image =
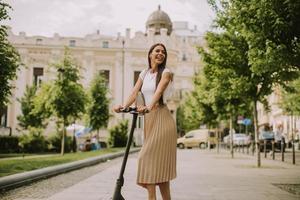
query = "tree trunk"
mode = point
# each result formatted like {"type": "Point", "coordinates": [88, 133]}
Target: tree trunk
{"type": "Point", "coordinates": [218, 139]}
{"type": "Point", "coordinates": [74, 144]}
{"type": "Point", "coordinates": [98, 138]}
{"type": "Point", "coordinates": [62, 151]}
{"type": "Point", "coordinates": [97, 135]}
{"type": "Point", "coordinates": [256, 133]}
{"type": "Point", "coordinates": [293, 139]}
{"type": "Point", "coordinates": [231, 136]}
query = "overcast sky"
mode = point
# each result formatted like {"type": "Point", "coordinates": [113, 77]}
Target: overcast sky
{"type": "Point", "coordinates": [81, 17]}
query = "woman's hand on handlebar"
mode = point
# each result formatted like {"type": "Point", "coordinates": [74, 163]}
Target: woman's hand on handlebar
{"type": "Point", "coordinates": [143, 109]}
{"type": "Point", "coordinates": [118, 108]}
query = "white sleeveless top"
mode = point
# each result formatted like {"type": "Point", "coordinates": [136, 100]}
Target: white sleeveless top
{"type": "Point", "coordinates": [149, 86]}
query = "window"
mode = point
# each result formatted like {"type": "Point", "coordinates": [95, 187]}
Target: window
{"type": "Point", "coordinates": [184, 57]}
{"type": "Point", "coordinates": [72, 43]}
{"type": "Point", "coordinates": [38, 41]}
{"type": "Point", "coordinates": [190, 135]}
{"type": "Point", "coordinates": [136, 76]}
{"type": "Point", "coordinates": [104, 44]}
{"type": "Point", "coordinates": [38, 73]}
{"type": "Point", "coordinates": [105, 74]}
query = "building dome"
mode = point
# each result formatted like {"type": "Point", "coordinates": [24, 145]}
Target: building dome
{"type": "Point", "coordinates": [159, 19]}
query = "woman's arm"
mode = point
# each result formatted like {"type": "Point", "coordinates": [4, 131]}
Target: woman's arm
{"type": "Point", "coordinates": [134, 93]}
{"type": "Point", "coordinates": [165, 79]}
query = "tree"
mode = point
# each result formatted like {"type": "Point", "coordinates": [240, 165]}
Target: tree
{"type": "Point", "coordinates": [9, 59]}
{"type": "Point", "coordinates": [67, 97]}
{"type": "Point", "coordinates": [29, 117]}
{"type": "Point", "coordinates": [98, 110]}
{"type": "Point", "coordinates": [226, 69]}
{"type": "Point", "coordinates": [271, 31]}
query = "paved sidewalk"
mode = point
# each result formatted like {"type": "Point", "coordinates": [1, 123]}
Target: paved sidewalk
{"type": "Point", "coordinates": [202, 174]}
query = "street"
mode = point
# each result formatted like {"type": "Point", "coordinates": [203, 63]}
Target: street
{"type": "Point", "coordinates": [202, 174]}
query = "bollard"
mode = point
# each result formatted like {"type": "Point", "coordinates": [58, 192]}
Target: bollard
{"type": "Point", "coordinates": [293, 148]}
{"type": "Point", "coordinates": [253, 147]}
{"type": "Point", "coordinates": [243, 147]}
{"type": "Point", "coordinates": [248, 146]}
{"type": "Point", "coordinates": [273, 150]}
{"type": "Point", "coordinates": [265, 148]}
{"type": "Point", "coordinates": [282, 150]}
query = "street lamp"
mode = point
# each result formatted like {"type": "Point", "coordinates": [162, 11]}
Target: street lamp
{"type": "Point", "coordinates": [123, 66]}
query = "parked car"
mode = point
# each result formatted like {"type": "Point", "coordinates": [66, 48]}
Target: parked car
{"type": "Point", "coordinates": [239, 139]}
{"type": "Point", "coordinates": [269, 137]}
{"type": "Point", "coordinates": [197, 138]}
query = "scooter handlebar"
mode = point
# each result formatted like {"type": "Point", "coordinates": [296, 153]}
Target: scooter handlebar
{"type": "Point", "coordinates": [128, 109]}
{"type": "Point", "coordinates": [131, 110]}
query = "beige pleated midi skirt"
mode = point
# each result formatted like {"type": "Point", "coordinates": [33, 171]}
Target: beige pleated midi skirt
{"type": "Point", "coordinates": [157, 158]}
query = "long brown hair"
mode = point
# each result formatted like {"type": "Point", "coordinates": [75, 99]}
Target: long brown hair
{"type": "Point", "coordinates": [161, 66]}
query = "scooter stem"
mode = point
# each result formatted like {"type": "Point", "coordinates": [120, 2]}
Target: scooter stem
{"type": "Point", "coordinates": [120, 180]}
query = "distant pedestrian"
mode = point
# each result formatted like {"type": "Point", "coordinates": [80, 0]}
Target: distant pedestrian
{"type": "Point", "coordinates": [157, 158]}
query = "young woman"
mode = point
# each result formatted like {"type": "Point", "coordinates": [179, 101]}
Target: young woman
{"type": "Point", "coordinates": [157, 158]}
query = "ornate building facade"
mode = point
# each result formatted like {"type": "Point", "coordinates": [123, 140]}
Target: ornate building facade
{"type": "Point", "coordinates": [119, 58]}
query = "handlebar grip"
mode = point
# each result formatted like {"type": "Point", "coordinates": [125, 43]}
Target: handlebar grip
{"type": "Point", "coordinates": [132, 109]}
{"type": "Point", "coordinates": [128, 109]}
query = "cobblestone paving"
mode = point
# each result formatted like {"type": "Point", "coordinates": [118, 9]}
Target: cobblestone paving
{"type": "Point", "coordinates": [202, 175]}
{"type": "Point", "coordinates": [292, 188]}
{"type": "Point", "coordinates": [45, 188]}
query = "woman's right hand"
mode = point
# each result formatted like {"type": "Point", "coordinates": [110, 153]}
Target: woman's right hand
{"type": "Point", "coordinates": [118, 108]}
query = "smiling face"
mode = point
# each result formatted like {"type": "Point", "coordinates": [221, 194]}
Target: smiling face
{"type": "Point", "coordinates": [158, 55]}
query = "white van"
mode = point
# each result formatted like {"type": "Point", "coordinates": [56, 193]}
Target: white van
{"type": "Point", "coordinates": [197, 138]}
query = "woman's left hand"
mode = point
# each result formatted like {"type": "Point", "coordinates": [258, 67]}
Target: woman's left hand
{"type": "Point", "coordinates": [143, 109]}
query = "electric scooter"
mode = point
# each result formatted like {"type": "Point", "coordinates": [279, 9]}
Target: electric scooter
{"type": "Point", "coordinates": [132, 110]}
{"type": "Point", "coordinates": [120, 180]}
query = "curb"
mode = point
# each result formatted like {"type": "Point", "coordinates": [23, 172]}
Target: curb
{"type": "Point", "coordinates": [17, 180]}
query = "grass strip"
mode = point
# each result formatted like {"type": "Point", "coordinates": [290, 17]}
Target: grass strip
{"type": "Point", "coordinates": [14, 166]}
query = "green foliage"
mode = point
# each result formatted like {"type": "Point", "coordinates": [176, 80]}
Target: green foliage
{"type": "Point", "coordinates": [180, 120]}
{"type": "Point", "coordinates": [98, 109]}
{"type": "Point", "coordinates": [42, 101]}
{"type": "Point", "coordinates": [197, 108]}
{"type": "Point", "coordinates": [67, 96]}
{"type": "Point", "coordinates": [226, 68]}
{"type": "Point", "coordinates": [55, 143]}
{"type": "Point", "coordinates": [118, 134]}
{"type": "Point", "coordinates": [291, 98]}
{"type": "Point", "coordinates": [203, 101]}
{"type": "Point", "coordinates": [29, 116]}
{"type": "Point", "coordinates": [9, 144]}
{"type": "Point", "coordinates": [68, 102]}
{"type": "Point", "coordinates": [9, 59]}
{"type": "Point", "coordinates": [271, 30]}
{"type": "Point", "coordinates": [260, 44]}
{"type": "Point", "coordinates": [33, 141]}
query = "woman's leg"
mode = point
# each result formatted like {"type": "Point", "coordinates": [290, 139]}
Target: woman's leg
{"type": "Point", "coordinates": [165, 190]}
{"type": "Point", "coordinates": [151, 191]}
